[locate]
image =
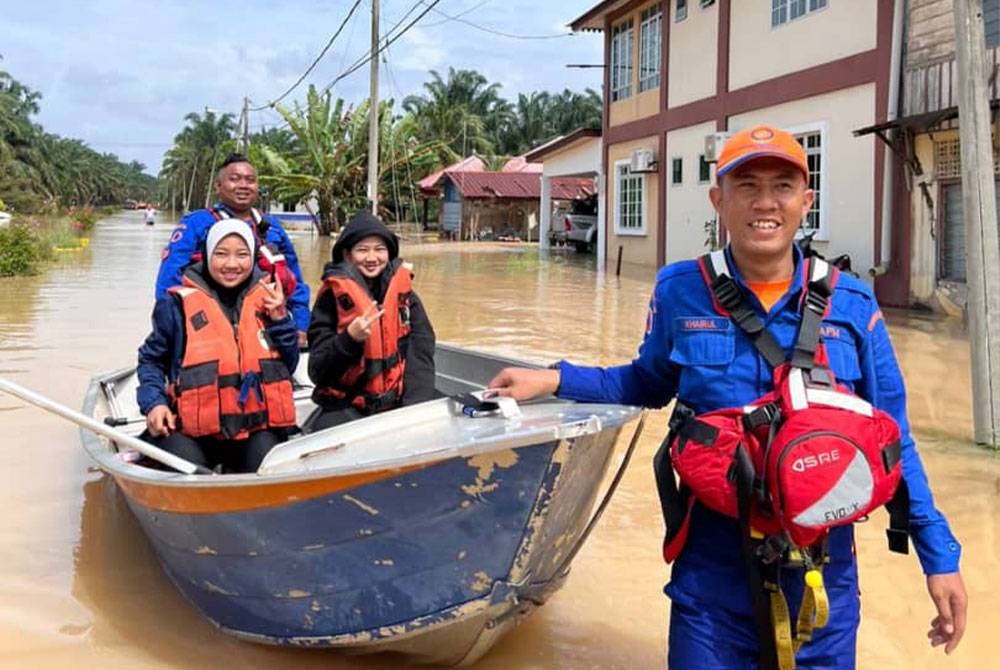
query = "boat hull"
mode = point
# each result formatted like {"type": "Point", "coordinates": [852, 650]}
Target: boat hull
{"type": "Point", "coordinates": [433, 560]}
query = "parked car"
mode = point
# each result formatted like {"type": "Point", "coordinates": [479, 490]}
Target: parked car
{"type": "Point", "coordinates": [4, 219]}
{"type": "Point", "coordinates": [580, 224]}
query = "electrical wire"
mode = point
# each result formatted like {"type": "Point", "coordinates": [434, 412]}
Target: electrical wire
{"type": "Point", "coordinates": [493, 31]}
{"type": "Point", "coordinates": [322, 53]}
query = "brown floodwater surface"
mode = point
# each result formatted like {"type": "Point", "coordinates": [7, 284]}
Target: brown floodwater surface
{"type": "Point", "coordinates": [80, 586]}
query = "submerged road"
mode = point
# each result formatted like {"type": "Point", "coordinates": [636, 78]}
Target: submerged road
{"type": "Point", "coordinates": [81, 588]}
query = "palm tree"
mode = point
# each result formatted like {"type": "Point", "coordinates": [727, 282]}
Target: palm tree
{"type": "Point", "coordinates": [464, 113]}
{"type": "Point", "coordinates": [189, 166]}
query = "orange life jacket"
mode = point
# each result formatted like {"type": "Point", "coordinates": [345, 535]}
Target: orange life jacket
{"type": "Point", "coordinates": [375, 382]}
{"type": "Point", "coordinates": [231, 382]}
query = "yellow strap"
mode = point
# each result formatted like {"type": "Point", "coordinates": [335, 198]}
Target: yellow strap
{"type": "Point", "coordinates": [815, 609]}
{"type": "Point", "coordinates": [781, 622]}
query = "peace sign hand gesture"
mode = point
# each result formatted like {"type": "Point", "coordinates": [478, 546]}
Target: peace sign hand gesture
{"type": "Point", "coordinates": [274, 300]}
{"type": "Point", "coordinates": [360, 328]}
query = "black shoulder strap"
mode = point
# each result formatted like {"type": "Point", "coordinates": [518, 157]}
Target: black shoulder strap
{"type": "Point", "coordinates": [819, 282]}
{"type": "Point", "coordinates": [729, 298]}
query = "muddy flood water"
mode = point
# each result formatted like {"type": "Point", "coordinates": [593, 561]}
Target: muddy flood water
{"type": "Point", "coordinates": [81, 588]}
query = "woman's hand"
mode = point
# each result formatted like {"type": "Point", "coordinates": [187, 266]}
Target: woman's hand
{"type": "Point", "coordinates": [161, 421]}
{"type": "Point", "coordinates": [274, 300]}
{"type": "Point", "coordinates": [360, 328]}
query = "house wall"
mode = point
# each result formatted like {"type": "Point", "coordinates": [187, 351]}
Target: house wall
{"type": "Point", "coordinates": [636, 249]}
{"type": "Point", "coordinates": [693, 54]}
{"type": "Point", "coordinates": [759, 52]}
{"type": "Point", "coordinates": [850, 164]}
{"type": "Point", "coordinates": [688, 206]}
{"type": "Point", "coordinates": [638, 105]}
{"type": "Point", "coordinates": [581, 159]}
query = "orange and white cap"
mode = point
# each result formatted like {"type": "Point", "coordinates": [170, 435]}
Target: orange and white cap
{"type": "Point", "coordinates": [758, 142]}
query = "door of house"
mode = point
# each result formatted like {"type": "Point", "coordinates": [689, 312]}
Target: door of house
{"type": "Point", "coordinates": [451, 212]}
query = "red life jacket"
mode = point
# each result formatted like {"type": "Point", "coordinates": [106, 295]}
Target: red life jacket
{"type": "Point", "coordinates": [804, 458]}
{"type": "Point", "coordinates": [375, 382]}
{"type": "Point", "coordinates": [231, 382]}
{"type": "Point", "coordinates": [269, 259]}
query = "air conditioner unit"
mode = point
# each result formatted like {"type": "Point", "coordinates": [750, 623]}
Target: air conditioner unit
{"type": "Point", "coordinates": [642, 160]}
{"type": "Point", "coordinates": [713, 146]}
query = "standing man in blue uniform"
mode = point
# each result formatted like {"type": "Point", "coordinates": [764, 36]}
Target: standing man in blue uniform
{"type": "Point", "coordinates": [237, 187]}
{"type": "Point", "coordinates": [707, 363]}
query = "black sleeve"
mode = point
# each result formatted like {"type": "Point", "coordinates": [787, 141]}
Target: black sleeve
{"type": "Point", "coordinates": [330, 354]}
{"type": "Point", "coordinates": [418, 380]}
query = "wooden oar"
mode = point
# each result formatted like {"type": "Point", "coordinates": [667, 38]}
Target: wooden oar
{"type": "Point", "coordinates": [94, 426]}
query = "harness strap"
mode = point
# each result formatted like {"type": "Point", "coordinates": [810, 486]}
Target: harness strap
{"type": "Point", "coordinates": [814, 611]}
{"type": "Point", "coordinates": [762, 587]}
{"type": "Point", "coordinates": [898, 532]}
{"type": "Point", "coordinates": [819, 287]}
{"type": "Point", "coordinates": [729, 298]}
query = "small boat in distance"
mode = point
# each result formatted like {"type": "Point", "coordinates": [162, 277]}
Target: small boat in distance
{"type": "Point", "coordinates": [421, 531]}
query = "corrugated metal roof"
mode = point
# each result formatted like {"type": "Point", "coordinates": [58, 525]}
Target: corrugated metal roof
{"type": "Point", "coordinates": [517, 185]}
{"type": "Point", "coordinates": [469, 164]}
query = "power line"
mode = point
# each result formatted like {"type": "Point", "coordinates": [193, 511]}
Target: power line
{"type": "Point", "coordinates": [493, 31]}
{"type": "Point", "coordinates": [361, 62]}
{"type": "Point", "coordinates": [462, 13]}
{"type": "Point", "coordinates": [389, 39]}
{"type": "Point", "coordinates": [322, 53]}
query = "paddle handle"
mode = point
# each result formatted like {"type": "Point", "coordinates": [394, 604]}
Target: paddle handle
{"type": "Point", "coordinates": [94, 426]}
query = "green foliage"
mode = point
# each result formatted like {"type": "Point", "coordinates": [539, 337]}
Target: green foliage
{"type": "Point", "coordinates": [84, 218]}
{"type": "Point", "coordinates": [41, 172]}
{"type": "Point", "coordinates": [20, 251]}
{"type": "Point", "coordinates": [189, 167]}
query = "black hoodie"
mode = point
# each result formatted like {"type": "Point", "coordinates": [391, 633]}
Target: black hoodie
{"type": "Point", "coordinates": [332, 354]}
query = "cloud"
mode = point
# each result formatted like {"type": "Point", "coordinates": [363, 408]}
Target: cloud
{"type": "Point", "coordinates": [122, 75]}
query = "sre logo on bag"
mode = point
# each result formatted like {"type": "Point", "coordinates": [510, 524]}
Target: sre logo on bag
{"type": "Point", "coordinates": [805, 462]}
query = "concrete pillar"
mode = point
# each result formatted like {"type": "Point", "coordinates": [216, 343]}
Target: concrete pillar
{"type": "Point", "coordinates": [602, 228]}
{"type": "Point", "coordinates": [545, 213]}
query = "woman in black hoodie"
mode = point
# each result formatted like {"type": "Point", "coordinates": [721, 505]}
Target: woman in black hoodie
{"type": "Point", "coordinates": [370, 341]}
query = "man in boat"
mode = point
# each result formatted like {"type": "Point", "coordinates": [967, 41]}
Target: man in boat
{"type": "Point", "coordinates": [237, 187]}
{"type": "Point", "coordinates": [371, 344]}
{"type": "Point", "coordinates": [208, 397]}
{"type": "Point", "coordinates": [702, 356]}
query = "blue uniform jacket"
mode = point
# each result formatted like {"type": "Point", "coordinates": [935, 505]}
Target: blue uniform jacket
{"type": "Point", "coordinates": [189, 237]}
{"type": "Point", "coordinates": [160, 355]}
{"type": "Point", "coordinates": [708, 363]}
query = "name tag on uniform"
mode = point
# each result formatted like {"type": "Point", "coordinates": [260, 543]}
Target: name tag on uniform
{"type": "Point", "coordinates": [690, 324]}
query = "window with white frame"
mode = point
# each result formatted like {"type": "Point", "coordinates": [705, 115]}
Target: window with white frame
{"type": "Point", "coordinates": [621, 60]}
{"type": "Point", "coordinates": [630, 215]}
{"type": "Point", "coordinates": [680, 10]}
{"type": "Point", "coordinates": [783, 11]}
{"type": "Point", "coordinates": [649, 47]}
{"type": "Point", "coordinates": [812, 141]}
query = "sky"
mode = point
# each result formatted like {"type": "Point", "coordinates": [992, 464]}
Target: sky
{"type": "Point", "coordinates": [122, 74]}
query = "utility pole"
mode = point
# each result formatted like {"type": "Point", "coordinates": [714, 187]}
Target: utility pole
{"type": "Point", "coordinates": [982, 241]}
{"type": "Point", "coordinates": [245, 117]}
{"type": "Point", "coordinates": [373, 116]}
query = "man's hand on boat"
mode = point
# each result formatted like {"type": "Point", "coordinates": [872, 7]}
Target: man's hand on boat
{"type": "Point", "coordinates": [161, 421]}
{"type": "Point", "coordinates": [360, 328]}
{"type": "Point", "coordinates": [523, 383]}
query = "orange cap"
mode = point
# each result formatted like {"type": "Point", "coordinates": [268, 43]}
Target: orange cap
{"type": "Point", "coordinates": [758, 142]}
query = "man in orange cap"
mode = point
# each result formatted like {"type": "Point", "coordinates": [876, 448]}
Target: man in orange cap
{"type": "Point", "coordinates": [707, 356]}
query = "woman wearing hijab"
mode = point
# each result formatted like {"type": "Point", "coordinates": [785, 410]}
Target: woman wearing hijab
{"type": "Point", "coordinates": [215, 373]}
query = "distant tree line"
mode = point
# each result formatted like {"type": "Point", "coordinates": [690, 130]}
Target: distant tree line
{"type": "Point", "coordinates": [321, 149]}
{"type": "Point", "coordinates": [43, 172]}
